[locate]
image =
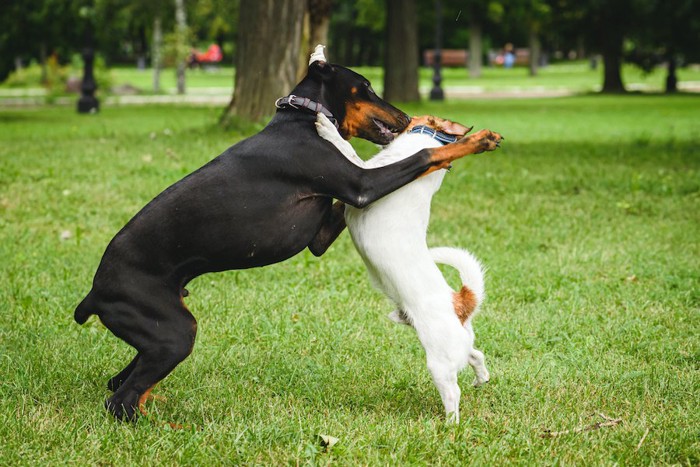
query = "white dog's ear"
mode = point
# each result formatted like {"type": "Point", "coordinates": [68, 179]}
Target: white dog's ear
{"type": "Point", "coordinates": [319, 68]}
{"type": "Point", "coordinates": [453, 128]}
{"type": "Point", "coordinates": [318, 55]}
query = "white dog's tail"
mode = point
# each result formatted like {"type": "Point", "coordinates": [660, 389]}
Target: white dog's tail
{"type": "Point", "coordinates": [468, 299]}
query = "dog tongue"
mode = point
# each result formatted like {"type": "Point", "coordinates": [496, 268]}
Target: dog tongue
{"type": "Point", "coordinates": [384, 130]}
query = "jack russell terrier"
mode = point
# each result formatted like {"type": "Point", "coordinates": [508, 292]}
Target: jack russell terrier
{"type": "Point", "coordinates": [390, 235]}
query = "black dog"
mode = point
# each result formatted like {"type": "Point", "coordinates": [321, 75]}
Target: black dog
{"type": "Point", "coordinates": [261, 201]}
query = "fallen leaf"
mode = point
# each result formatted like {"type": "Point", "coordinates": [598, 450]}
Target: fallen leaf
{"type": "Point", "coordinates": [328, 441]}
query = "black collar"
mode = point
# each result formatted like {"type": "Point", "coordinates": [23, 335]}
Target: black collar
{"type": "Point", "coordinates": [304, 103]}
{"type": "Point", "coordinates": [443, 138]}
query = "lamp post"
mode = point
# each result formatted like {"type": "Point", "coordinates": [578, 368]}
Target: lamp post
{"type": "Point", "coordinates": [436, 94]}
{"type": "Point", "coordinates": [88, 103]}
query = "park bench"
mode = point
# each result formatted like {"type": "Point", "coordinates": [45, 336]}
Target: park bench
{"type": "Point", "coordinates": [212, 56]}
{"type": "Point", "coordinates": [448, 57]}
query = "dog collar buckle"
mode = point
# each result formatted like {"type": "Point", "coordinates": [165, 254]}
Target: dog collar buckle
{"type": "Point", "coordinates": [304, 103]}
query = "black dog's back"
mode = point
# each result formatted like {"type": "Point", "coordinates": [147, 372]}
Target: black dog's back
{"type": "Point", "coordinates": [228, 225]}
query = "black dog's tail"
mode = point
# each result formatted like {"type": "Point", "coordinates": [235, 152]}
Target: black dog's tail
{"type": "Point", "coordinates": [85, 309]}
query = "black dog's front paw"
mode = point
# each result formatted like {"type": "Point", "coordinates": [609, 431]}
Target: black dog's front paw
{"type": "Point", "coordinates": [124, 407]}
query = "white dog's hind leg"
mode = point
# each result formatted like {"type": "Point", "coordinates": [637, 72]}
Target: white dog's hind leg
{"type": "Point", "coordinates": [398, 316]}
{"type": "Point", "coordinates": [476, 360]}
{"type": "Point", "coordinates": [329, 132]}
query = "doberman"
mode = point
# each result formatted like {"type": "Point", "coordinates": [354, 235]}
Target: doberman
{"type": "Point", "coordinates": [261, 201]}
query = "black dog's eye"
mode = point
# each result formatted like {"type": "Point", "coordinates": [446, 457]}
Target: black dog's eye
{"type": "Point", "coordinates": [369, 87]}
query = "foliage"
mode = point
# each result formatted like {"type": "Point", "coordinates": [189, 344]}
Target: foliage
{"type": "Point", "coordinates": [587, 221]}
{"type": "Point", "coordinates": [669, 32]}
{"type": "Point", "coordinates": [56, 79]}
{"type": "Point", "coordinates": [213, 19]}
{"type": "Point", "coordinates": [32, 76]}
{"type": "Point", "coordinates": [31, 28]}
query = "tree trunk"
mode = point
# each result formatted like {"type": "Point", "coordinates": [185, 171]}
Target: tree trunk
{"type": "Point", "coordinates": [475, 48]}
{"type": "Point", "coordinates": [44, 68]}
{"type": "Point", "coordinates": [401, 56]}
{"type": "Point", "coordinates": [141, 49]}
{"type": "Point", "coordinates": [319, 22]}
{"type": "Point", "coordinates": [181, 44]}
{"type": "Point", "coordinates": [314, 31]}
{"type": "Point", "coordinates": [671, 77]}
{"type": "Point", "coordinates": [535, 51]}
{"type": "Point", "coordinates": [156, 52]}
{"type": "Point", "coordinates": [268, 47]}
{"type": "Point", "coordinates": [305, 39]}
{"type": "Point", "coordinates": [612, 64]}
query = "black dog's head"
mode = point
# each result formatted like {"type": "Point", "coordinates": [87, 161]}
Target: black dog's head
{"type": "Point", "coordinates": [353, 102]}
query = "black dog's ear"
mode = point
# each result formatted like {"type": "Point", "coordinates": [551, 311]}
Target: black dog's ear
{"type": "Point", "coordinates": [321, 70]}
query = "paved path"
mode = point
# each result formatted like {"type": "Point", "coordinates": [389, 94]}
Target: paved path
{"type": "Point", "coordinates": [222, 96]}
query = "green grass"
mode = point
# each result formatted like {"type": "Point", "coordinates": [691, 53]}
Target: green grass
{"type": "Point", "coordinates": [572, 76]}
{"type": "Point", "coordinates": [587, 219]}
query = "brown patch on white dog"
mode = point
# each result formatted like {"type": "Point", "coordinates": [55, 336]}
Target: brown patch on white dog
{"type": "Point", "coordinates": [465, 302]}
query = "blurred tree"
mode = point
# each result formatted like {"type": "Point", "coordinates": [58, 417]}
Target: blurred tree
{"type": "Point", "coordinates": [478, 15]}
{"type": "Point", "coordinates": [604, 25]}
{"type": "Point", "coordinates": [534, 18]}
{"type": "Point", "coordinates": [269, 41]}
{"type": "Point", "coordinates": [182, 49]}
{"type": "Point", "coordinates": [314, 31]}
{"type": "Point", "coordinates": [156, 52]}
{"type": "Point", "coordinates": [668, 36]}
{"type": "Point", "coordinates": [319, 14]}
{"type": "Point", "coordinates": [120, 18]}
{"type": "Point", "coordinates": [32, 29]}
{"type": "Point", "coordinates": [358, 33]}
{"type": "Point", "coordinates": [401, 52]}
{"type": "Point", "coordinates": [215, 20]}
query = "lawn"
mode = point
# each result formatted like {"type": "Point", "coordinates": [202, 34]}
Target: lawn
{"type": "Point", "coordinates": [587, 219]}
{"type": "Point", "coordinates": [575, 76]}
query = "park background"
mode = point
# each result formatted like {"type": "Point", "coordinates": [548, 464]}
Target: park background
{"type": "Point", "coordinates": [586, 218]}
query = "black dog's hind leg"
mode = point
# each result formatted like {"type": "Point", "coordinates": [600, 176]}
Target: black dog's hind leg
{"type": "Point", "coordinates": [116, 381]}
{"type": "Point", "coordinates": [163, 338]}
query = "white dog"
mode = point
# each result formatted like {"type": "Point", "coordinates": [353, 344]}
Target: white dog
{"type": "Point", "coordinates": [390, 235]}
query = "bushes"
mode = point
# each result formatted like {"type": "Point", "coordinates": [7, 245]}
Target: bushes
{"type": "Point", "coordinates": [55, 77]}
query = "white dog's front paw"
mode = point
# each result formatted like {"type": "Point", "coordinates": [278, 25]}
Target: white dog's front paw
{"type": "Point", "coordinates": [326, 129]}
{"type": "Point", "coordinates": [329, 132]}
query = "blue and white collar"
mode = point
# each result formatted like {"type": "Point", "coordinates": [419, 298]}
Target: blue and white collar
{"type": "Point", "coordinates": [443, 138]}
